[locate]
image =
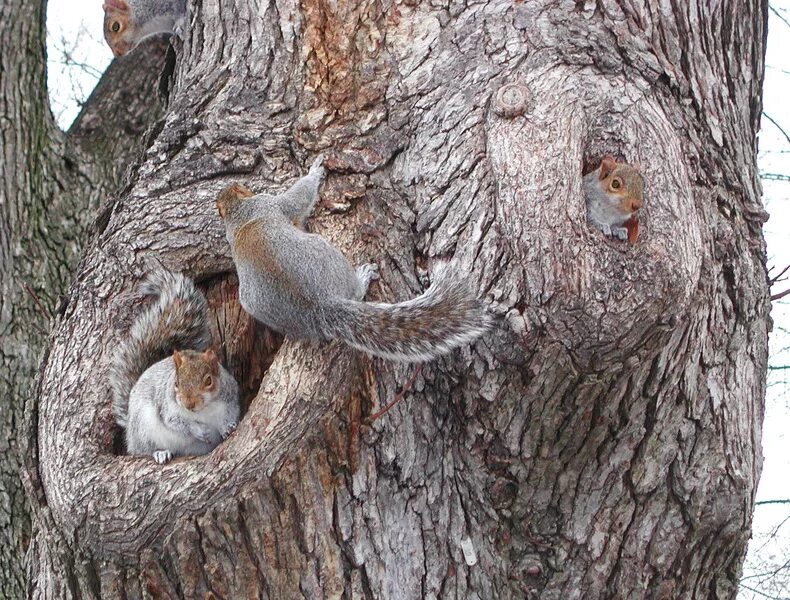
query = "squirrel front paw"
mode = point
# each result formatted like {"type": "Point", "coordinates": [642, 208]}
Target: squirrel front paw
{"type": "Point", "coordinates": [621, 233]}
{"type": "Point", "coordinates": [317, 168]}
{"type": "Point", "coordinates": [366, 273]}
{"type": "Point", "coordinates": [163, 456]}
{"type": "Point", "coordinates": [178, 27]}
{"type": "Point", "coordinates": [605, 228]}
{"type": "Point", "coordinates": [228, 429]}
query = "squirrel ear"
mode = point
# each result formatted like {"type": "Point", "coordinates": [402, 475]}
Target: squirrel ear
{"type": "Point", "coordinates": [607, 166]}
{"type": "Point", "coordinates": [211, 358]}
{"type": "Point", "coordinates": [116, 4]}
{"type": "Point", "coordinates": [177, 358]}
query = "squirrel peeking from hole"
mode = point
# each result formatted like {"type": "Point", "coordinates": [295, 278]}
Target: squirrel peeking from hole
{"type": "Point", "coordinates": [613, 193]}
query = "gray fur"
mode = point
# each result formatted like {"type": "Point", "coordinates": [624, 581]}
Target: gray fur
{"type": "Point", "coordinates": [177, 320]}
{"type": "Point", "coordinates": [313, 291]}
{"type": "Point", "coordinates": [142, 375]}
{"type": "Point", "coordinates": [602, 209]}
{"type": "Point", "coordinates": [159, 426]}
{"type": "Point", "coordinates": [154, 17]}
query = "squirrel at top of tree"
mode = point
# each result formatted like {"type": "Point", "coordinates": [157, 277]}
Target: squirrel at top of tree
{"type": "Point", "coordinates": [614, 195]}
{"type": "Point", "coordinates": [300, 285]}
{"type": "Point", "coordinates": [127, 23]}
{"type": "Point", "coordinates": [172, 405]}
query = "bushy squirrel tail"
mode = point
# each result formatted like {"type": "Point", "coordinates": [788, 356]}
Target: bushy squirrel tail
{"type": "Point", "coordinates": [446, 316]}
{"type": "Point", "coordinates": [177, 320]}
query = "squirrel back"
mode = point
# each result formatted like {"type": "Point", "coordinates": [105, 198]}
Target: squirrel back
{"type": "Point", "coordinates": [177, 319]}
{"type": "Point", "coordinates": [445, 317]}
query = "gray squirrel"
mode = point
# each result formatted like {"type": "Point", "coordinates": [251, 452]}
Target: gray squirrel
{"type": "Point", "coordinates": [172, 405]}
{"type": "Point", "coordinates": [127, 23]}
{"type": "Point", "coordinates": [614, 196]}
{"type": "Point", "coordinates": [297, 283]}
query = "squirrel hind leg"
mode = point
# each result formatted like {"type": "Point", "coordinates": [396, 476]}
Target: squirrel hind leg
{"type": "Point", "coordinates": [366, 274]}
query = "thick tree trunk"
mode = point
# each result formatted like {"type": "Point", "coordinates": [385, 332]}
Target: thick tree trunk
{"type": "Point", "coordinates": [50, 184]}
{"type": "Point", "coordinates": [602, 442]}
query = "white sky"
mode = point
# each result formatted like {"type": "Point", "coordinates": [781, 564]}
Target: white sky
{"type": "Point", "coordinates": [75, 31]}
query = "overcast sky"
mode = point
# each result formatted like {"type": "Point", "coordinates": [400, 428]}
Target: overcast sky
{"type": "Point", "coordinates": [75, 30]}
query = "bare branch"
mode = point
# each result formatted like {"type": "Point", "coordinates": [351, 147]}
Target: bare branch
{"type": "Point", "coordinates": [780, 295]}
{"type": "Point", "coordinates": [778, 126]}
{"type": "Point", "coordinates": [774, 177]}
{"type": "Point", "coordinates": [776, 12]}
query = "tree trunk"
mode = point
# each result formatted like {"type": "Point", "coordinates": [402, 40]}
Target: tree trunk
{"type": "Point", "coordinates": [50, 185]}
{"type": "Point", "coordinates": [603, 441]}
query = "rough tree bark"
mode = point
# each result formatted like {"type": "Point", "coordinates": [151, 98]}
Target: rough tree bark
{"type": "Point", "coordinates": [50, 185]}
{"type": "Point", "coordinates": [602, 442]}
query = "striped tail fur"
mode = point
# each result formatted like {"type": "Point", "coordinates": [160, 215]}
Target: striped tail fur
{"type": "Point", "coordinates": [445, 317]}
{"type": "Point", "coordinates": [177, 320]}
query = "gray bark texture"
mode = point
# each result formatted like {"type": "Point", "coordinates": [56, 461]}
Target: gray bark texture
{"type": "Point", "coordinates": [50, 185]}
{"type": "Point", "coordinates": [602, 441]}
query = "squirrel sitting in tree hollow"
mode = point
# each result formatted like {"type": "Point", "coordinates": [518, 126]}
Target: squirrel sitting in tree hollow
{"type": "Point", "coordinates": [129, 22]}
{"type": "Point", "coordinates": [614, 195]}
{"type": "Point", "coordinates": [297, 283]}
{"type": "Point", "coordinates": [184, 404]}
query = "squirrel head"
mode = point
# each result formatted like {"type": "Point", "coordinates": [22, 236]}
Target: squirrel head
{"type": "Point", "coordinates": [623, 183]}
{"type": "Point", "coordinates": [117, 31]}
{"type": "Point", "coordinates": [230, 197]}
{"type": "Point", "coordinates": [197, 377]}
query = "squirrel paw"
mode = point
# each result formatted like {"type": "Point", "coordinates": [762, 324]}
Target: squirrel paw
{"type": "Point", "coordinates": [178, 28]}
{"type": "Point", "coordinates": [229, 428]}
{"type": "Point", "coordinates": [607, 230]}
{"type": "Point", "coordinates": [163, 456]}
{"type": "Point", "coordinates": [367, 273]}
{"type": "Point", "coordinates": [317, 168]}
{"type": "Point", "coordinates": [621, 233]}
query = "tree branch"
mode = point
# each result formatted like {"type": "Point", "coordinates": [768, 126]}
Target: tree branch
{"type": "Point", "coordinates": [779, 127]}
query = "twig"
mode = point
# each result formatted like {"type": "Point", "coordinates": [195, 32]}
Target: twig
{"type": "Point", "coordinates": [774, 177]}
{"type": "Point", "coordinates": [32, 294]}
{"type": "Point", "coordinates": [776, 12]}
{"type": "Point", "coordinates": [773, 280]}
{"type": "Point", "coordinates": [763, 594]}
{"type": "Point", "coordinates": [780, 295]}
{"type": "Point", "coordinates": [761, 502]}
{"type": "Point", "coordinates": [777, 125]}
{"type": "Point", "coordinates": [398, 397]}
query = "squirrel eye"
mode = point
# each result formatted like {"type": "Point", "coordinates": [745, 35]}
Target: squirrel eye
{"type": "Point", "coordinates": [207, 381]}
{"type": "Point", "coordinates": [115, 27]}
{"type": "Point", "coordinates": [616, 184]}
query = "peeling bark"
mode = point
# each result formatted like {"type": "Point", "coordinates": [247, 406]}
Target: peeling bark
{"type": "Point", "coordinates": [603, 441]}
